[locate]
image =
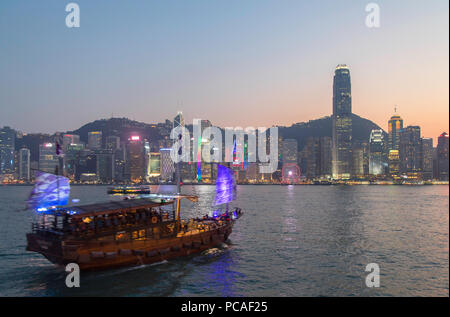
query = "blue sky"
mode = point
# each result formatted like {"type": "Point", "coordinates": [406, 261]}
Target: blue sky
{"type": "Point", "coordinates": [247, 62]}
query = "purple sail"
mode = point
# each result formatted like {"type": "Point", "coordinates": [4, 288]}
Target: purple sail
{"type": "Point", "coordinates": [225, 185]}
{"type": "Point", "coordinates": [49, 190]}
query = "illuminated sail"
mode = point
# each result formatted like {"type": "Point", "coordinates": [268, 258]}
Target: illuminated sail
{"type": "Point", "coordinates": [225, 185]}
{"type": "Point", "coordinates": [49, 190]}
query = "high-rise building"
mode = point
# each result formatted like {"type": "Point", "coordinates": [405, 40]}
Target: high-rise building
{"type": "Point", "coordinates": [376, 147]}
{"type": "Point", "coordinates": [7, 144]}
{"type": "Point", "coordinates": [411, 151]}
{"type": "Point", "coordinates": [178, 122]}
{"type": "Point", "coordinates": [136, 159]}
{"type": "Point", "coordinates": [289, 151]}
{"type": "Point", "coordinates": [167, 166]}
{"type": "Point", "coordinates": [24, 164]}
{"type": "Point", "coordinates": [394, 163]}
{"type": "Point", "coordinates": [112, 142]}
{"type": "Point", "coordinates": [395, 126]}
{"type": "Point", "coordinates": [311, 158]}
{"type": "Point", "coordinates": [442, 157]}
{"type": "Point", "coordinates": [105, 165]}
{"type": "Point", "coordinates": [95, 140]}
{"type": "Point", "coordinates": [290, 172]}
{"type": "Point", "coordinates": [71, 158]}
{"type": "Point", "coordinates": [358, 162]}
{"type": "Point", "coordinates": [427, 158]}
{"type": "Point", "coordinates": [120, 164]}
{"type": "Point", "coordinates": [315, 160]}
{"type": "Point", "coordinates": [69, 139]}
{"type": "Point", "coordinates": [48, 160]}
{"type": "Point", "coordinates": [342, 124]}
{"type": "Point", "coordinates": [86, 166]}
{"type": "Point", "coordinates": [154, 165]}
{"type": "Point", "coordinates": [325, 156]}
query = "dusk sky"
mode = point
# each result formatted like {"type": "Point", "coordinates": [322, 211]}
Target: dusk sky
{"type": "Point", "coordinates": [234, 62]}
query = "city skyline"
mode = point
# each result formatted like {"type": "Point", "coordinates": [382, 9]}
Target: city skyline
{"type": "Point", "coordinates": [148, 60]}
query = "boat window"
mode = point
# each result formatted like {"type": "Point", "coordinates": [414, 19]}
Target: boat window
{"type": "Point", "coordinates": [121, 236]}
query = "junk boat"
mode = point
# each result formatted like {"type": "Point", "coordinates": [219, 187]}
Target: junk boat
{"type": "Point", "coordinates": [130, 232]}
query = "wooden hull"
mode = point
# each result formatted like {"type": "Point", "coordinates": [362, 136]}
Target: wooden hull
{"type": "Point", "coordinates": [99, 255]}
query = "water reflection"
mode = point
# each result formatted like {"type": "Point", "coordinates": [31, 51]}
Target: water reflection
{"type": "Point", "coordinates": [291, 241]}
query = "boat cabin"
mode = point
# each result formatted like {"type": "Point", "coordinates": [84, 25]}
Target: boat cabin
{"type": "Point", "coordinates": [112, 221]}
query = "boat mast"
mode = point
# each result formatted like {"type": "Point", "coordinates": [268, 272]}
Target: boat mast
{"type": "Point", "coordinates": [178, 123]}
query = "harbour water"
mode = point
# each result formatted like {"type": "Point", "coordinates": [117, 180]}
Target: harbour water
{"type": "Point", "coordinates": [291, 241]}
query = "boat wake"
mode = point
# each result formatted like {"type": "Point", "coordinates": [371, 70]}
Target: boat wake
{"type": "Point", "coordinates": [133, 268]}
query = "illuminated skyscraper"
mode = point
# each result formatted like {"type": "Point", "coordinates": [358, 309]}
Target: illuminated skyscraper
{"type": "Point", "coordinates": [7, 144]}
{"type": "Point", "coordinates": [376, 145]}
{"type": "Point", "coordinates": [442, 157]}
{"type": "Point", "coordinates": [167, 166]}
{"type": "Point", "coordinates": [24, 164]}
{"type": "Point", "coordinates": [411, 151]}
{"type": "Point", "coordinates": [395, 125]}
{"type": "Point", "coordinates": [105, 165]}
{"type": "Point", "coordinates": [315, 158]}
{"type": "Point", "coordinates": [72, 156]}
{"type": "Point", "coordinates": [358, 162]}
{"type": "Point", "coordinates": [290, 171]}
{"type": "Point", "coordinates": [135, 159]}
{"type": "Point", "coordinates": [95, 140]}
{"type": "Point", "coordinates": [394, 164]}
{"type": "Point", "coordinates": [48, 160]}
{"type": "Point", "coordinates": [69, 139]}
{"type": "Point", "coordinates": [289, 151]}
{"type": "Point", "coordinates": [342, 124]}
{"type": "Point", "coordinates": [427, 158]}
{"type": "Point", "coordinates": [154, 165]}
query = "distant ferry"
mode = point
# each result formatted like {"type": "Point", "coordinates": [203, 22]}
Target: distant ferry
{"type": "Point", "coordinates": [129, 190]}
{"type": "Point", "coordinates": [124, 233]}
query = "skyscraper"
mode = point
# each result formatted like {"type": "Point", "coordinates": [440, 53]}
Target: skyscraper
{"type": "Point", "coordinates": [69, 139]}
{"type": "Point", "coordinates": [105, 165]}
{"type": "Point", "coordinates": [112, 142]}
{"type": "Point", "coordinates": [136, 159]}
{"type": "Point", "coordinates": [342, 124]}
{"type": "Point", "coordinates": [395, 125]}
{"type": "Point", "coordinates": [48, 160]}
{"type": "Point", "coordinates": [411, 151]}
{"type": "Point", "coordinates": [358, 162]}
{"type": "Point", "coordinates": [315, 157]}
{"type": "Point", "coordinates": [7, 144]}
{"type": "Point", "coordinates": [289, 151]}
{"type": "Point", "coordinates": [427, 158]}
{"type": "Point", "coordinates": [394, 164]}
{"type": "Point", "coordinates": [442, 157]}
{"type": "Point", "coordinates": [24, 164]}
{"type": "Point", "coordinates": [154, 165]}
{"type": "Point", "coordinates": [290, 170]}
{"type": "Point", "coordinates": [167, 166]}
{"type": "Point", "coordinates": [95, 140]}
{"type": "Point", "coordinates": [376, 145]}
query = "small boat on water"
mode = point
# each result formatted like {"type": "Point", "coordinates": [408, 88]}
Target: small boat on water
{"type": "Point", "coordinates": [129, 190]}
{"type": "Point", "coordinates": [131, 232]}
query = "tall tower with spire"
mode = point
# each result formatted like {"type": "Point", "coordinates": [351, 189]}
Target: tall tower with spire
{"type": "Point", "coordinates": [395, 125]}
{"type": "Point", "coordinates": [342, 123]}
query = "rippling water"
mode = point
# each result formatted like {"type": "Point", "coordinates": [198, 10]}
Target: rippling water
{"type": "Point", "coordinates": [292, 241]}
